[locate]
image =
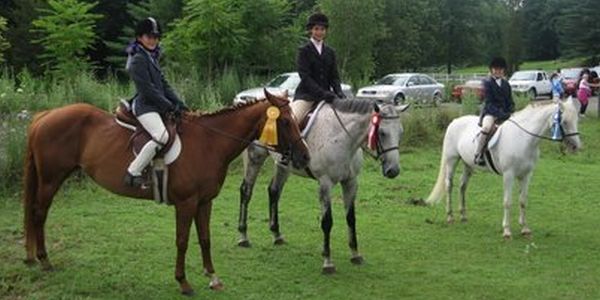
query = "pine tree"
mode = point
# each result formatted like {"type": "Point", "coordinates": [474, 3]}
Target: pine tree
{"type": "Point", "coordinates": [67, 30]}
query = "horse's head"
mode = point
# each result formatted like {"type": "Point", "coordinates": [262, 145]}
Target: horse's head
{"type": "Point", "coordinates": [388, 135]}
{"type": "Point", "coordinates": [288, 133]}
{"type": "Point", "coordinates": [568, 124]}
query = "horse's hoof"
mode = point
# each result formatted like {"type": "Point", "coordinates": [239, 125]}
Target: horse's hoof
{"type": "Point", "coordinates": [47, 266]}
{"type": "Point", "coordinates": [244, 243]}
{"type": "Point", "coordinates": [29, 262]}
{"type": "Point", "coordinates": [279, 241]}
{"type": "Point", "coordinates": [328, 270]}
{"type": "Point", "coordinates": [216, 286]}
{"type": "Point", "coordinates": [450, 220]}
{"type": "Point", "coordinates": [188, 292]}
{"type": "Point", "coordinates": [526, 233]}
{"type": "Point", "coordinates": [357, 260]}
{"type": "Point", "coordinates": [464, 220]}
{"type": "Point", "coordinates": [507, 236]}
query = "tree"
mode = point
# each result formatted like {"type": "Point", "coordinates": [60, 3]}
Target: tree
{"type": "Point", "coordinates": [540, 30]}
{"type": "Point", "coordinates": [578, 29]}
{"type": "Point", "coordinates": [67, 29]}
{"type": "Point", "coordinates": [355, 28]}
{"type": "Point", "coordinates": [23, 52]}
{"type": "Point", "coordinates": [210, 33]}
{"type": "Point", "coordinates": [272, 38]}
{"type": "Point", "coordinates": [412, 39]}
{"type": "Point", "coordinates": [3, 43]}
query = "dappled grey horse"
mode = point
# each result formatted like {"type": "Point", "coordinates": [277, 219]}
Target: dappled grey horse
{"type": "Point", "coordinates": [334, 142]}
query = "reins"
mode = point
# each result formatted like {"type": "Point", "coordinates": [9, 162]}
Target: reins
{"type": "Point", "coordinates": [541, 136]}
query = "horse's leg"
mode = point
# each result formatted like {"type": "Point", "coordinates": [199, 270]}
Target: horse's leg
{"type": "Point", "coordinates": [45, 194]}
{"type": "Point", "coordinates": [184, 212]}
{"type": "Point", "coordinates": [349, 188]}
{"type": "Point", "coordinates": [275, 189]}
{"type": "Point", "coordinates": [326, 223]}
{"type": "Point", "coordinates": [203, 231]}
{"type": "Point", "coordinates": [254, 158]}
{"type": "Point", "coordinates": [523, 204]}
{"type": "Point", "coordinates": [508, 184]}
{"type": "Point", "coordinates": [464, 181]}
{"type": "Point", "coordinates": [450, 168]}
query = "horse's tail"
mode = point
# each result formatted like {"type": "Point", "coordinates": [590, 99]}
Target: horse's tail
{"type": "Point", "coordinates": [439, 189]}
{"type": "Point", "coordinates": [30, 186]}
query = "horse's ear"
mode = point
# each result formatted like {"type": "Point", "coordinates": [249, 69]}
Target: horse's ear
{"type": "Point", "coordinates": [269, 96]}
{"type": "Point", "coordinates": [376, 107]}
{"type": "Point", "coordinates": [402, 108]}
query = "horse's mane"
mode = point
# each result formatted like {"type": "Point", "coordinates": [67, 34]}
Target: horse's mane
{"type": "Point", "coordinates": [567, 113]}
{"type": "Point", "coordinates": [229, 109]}
{"type": "Point", "coordinates": [353, 106]}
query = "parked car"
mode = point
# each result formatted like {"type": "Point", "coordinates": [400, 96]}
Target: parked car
{"type": "Point", "coordinates": [534, 83]}
{"type": "Point", "coordinates": [278, 85]}
{"type": "Point", "coordinates": [570, 80]}
{"type": "Point", "coordinates": [474, 86]}
{"type": "Point", "coordinates": [401, 87]}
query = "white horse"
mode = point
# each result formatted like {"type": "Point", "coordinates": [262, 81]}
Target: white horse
{"type": "Point", "coordinates": [334, 143]}
{"type": "Point", "coordinates": [514, 152]}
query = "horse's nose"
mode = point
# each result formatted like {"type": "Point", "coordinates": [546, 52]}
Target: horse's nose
{"type": "Point", "coordinates": [391, 172]}
{"type": "Point", "coordinates": [302, 161]}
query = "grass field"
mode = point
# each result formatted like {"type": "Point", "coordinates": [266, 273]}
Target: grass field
{"type": "Point", "coordinates": [110, 247]}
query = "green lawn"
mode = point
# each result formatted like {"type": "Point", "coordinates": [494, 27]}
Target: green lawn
{"type": "Point", "coordinates": [110, 247]}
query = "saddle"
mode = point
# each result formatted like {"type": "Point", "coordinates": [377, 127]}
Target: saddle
{"type": "Point", "coordinates": [140, 136]}
{"type": "Point", "coordinates": [156, 174]}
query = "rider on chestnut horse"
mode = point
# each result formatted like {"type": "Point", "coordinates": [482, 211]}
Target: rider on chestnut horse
{"type": "Point", "coordinates": [154, 98]}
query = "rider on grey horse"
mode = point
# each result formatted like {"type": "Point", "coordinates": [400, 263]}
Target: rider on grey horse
{"type": "Point", "coordinates": [154, 97]}
{"type": "Point", "coordinates": [498, 104]}
{"type": "Point", "coordinates": [317, 67]}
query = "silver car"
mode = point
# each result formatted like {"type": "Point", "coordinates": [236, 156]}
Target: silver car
{"type": "Point", "coordinates": [281, 83]}
{"type": "Point", "coordinates": [400, 88]}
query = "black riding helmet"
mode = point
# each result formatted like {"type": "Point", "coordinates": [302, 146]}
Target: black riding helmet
{"type": "Point", "coordinates": [317, 19]}
{"type": "Point", "coordinates": [148, 26]}
{"type": "Point", "coordinates": [498, 62]}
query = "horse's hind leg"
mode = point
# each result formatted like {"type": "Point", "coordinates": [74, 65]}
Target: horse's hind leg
{"type": "Point", "coordinates": [45, 194]}
{"type": "Point", "coordinates": [523, 204]}
{"type": "Point", "coordinates": [254, 158]}
{"type": "Point", "coordinates": [275, 189]}
{"type": "Point", "coordinates": [326, 223]}
{"type": "Point", "coordinates": [203, 230]}
{"type": "Point", "coordinates": [349, 188]}
{"type": "Point", "coordinates": [464, 181]}
{"type": "Point", "coordinates": [450, 168]}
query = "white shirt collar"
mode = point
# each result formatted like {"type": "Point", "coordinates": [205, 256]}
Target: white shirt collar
{"type": "Point", "coordinates": [318, 45]}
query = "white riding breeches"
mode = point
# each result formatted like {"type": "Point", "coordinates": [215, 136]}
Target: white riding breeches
{"type": "Point", "coordinates": [487, 123]}
{"type": "Point", "coordinates": [300, 108]}
{"type": "Point", "coordinates": [154, 125]}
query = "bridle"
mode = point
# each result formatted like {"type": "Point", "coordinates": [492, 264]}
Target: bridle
{"type": "Point", "coordinates": [379, 147]}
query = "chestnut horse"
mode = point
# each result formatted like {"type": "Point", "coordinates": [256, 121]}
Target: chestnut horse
{"type": "Point", "coordinates": [82, 136]}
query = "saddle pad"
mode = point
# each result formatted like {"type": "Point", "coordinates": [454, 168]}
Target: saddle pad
{"type": "Point", "coordinates": [311, 119]}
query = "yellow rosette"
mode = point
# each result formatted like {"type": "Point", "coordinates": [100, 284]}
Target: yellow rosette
{"type": "Point", "coordinates": [269, 132]}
